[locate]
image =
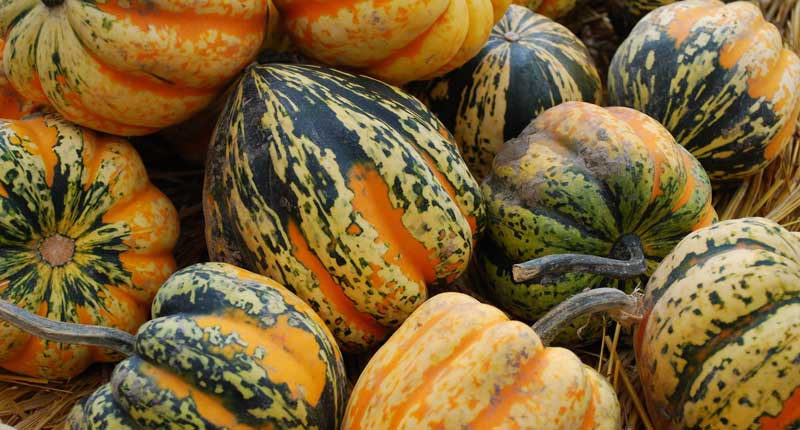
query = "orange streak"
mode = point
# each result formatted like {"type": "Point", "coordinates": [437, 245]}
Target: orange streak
{"type": "Point", "coordinates": [788, 416]}
{"type": "Point", "coordinates": [371, 200]}
{"type": "Point", "coordinates": [732, 52]}
{"type": "Point", "coordinates": [125, 211]}
{"type": "Point", "coordinates": [681, 25]}
{"type": "Point", "coordinates": [92, 165]}
{"type": "Point", "coordinates": [207, 406]}
{"type": "Point", "coordinates": [332, 291]}
{"type": "Point", "coordinates": [502, 401]}
{"type": "Point", "coordinates": [3, 192]}
{"type": "Point", "coordinates": [636, 121]}
{"type": "Point", "coordinates": [292, 354]}
{"type": "Point", "coordinates": [414, 48]}
{"type": "Point", "coordinates": [42, 140]}
{"type": "Point", "coordinates": [709, 215]}
{"type": "Point", "coordinates": [783, 136]}
{"type": "Point", "coordinates": [769, 86]}
{"type": "Point", "coordinates": [448, 187]}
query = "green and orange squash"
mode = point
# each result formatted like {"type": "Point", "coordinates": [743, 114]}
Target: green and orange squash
{"type": "Point", "coordinates": [549, 8]}
{"type": "Point", "coordinates": [227, 349]}
{"type": "Point", "coordinates": [344, 189]}
{"type": "Point", "coordinates": [717, 77]}
{"type": "Point", "coordinates": [583, 187]}
{"type": "Point", "coordinates": [529, 65]}
{"type": "Point", "coordinates": [396, 41]}
{"type": "Point", "coordinates": [459, 364]}
{"type": "Point", "coordinates": [717, 335]}
{"type": "Point", "coordinates": [128, 68]}
{"type": "Point", "coordinates": [719, 343]}
{"type": "Point", "coordinates": [84, 237]}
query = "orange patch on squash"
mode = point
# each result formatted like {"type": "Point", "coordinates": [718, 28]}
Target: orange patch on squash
{"type": "Point", "coordinates": [332, 291]}
{"type": "Point", "coordinates": [783, 136]}
{"type": "Point", "coordinates": [684, 20]}
{"type": "Point", "coordinates": [207, 406]}
{"type": "Point", "coordinates": [371, 200]}
{"type": "Point", "coordinates": [448, 187]}
{"type": "Point", "coordinates": [788, 416]}
{"type": "Point", "coordinates": [38, 139]}
{"type": "Point", "coordinates": [3, 192]}
{"type": "Point", "coordinates": [688, 188]}
{"type": "Point", "coordinates": [291, 354]}
{"type": "Point", "coordinates": [649, 138]}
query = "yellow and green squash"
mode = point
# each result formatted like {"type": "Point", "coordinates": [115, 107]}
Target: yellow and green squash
{"type": "Point", "coordinates": [529, 65]}
{"type": "Point", "coordinates": [85, 237]}
{"type": "Point", "coordinates": [227, 349]}
{"type": "Point", "coordinates": [717, 77]}
{"type": "Point", "coordinates": [344, 189]}
{"type": "Point", "coordinates": [585, 197]}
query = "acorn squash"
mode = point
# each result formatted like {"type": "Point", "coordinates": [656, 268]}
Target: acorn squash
{"type": "Point", "coordinates": [529, 65]}
{"type": "Point", "coordinates": [344, 189]}
{"type": "Point", "coordinates": [128, 68]}
{"type": "Point", "coordinates": [717, 77]}
{"type": "Point", "coordinates": [84, 237]}
{"type": "Point", "coordinates": [586, 197]}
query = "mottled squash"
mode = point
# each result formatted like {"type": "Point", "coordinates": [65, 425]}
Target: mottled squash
{"type": "Point", "coordinates": [396, 41]}
{"type": "Point", "coordinates": [12, 104]}
{"type": "Point", "coordinates": [84, 237]}
{"type": "Point", "coordinates": [549, 8]}
{"type": "Point", "coordinates": [594, 197]}
{"type": "Point", "coordinates": [459, 364]}
{"type": "Point", "coordinates": [719, 345]}
{"type": "Point", "coordinates": [717, 77]}
{"type": "Point", "coordinates": [344, 189]}
{"type": "Point", "coordinates": [529, 64]}
{"type": "Point", "coordinates": [227, 349]}
{"type": "Point", "coordinates": [128, 67]}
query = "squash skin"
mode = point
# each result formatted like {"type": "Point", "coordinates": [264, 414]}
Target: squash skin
{"type": "Point", "coordinates": [493, 97]}
{"type": "Point", "coordinates": [733, 88]}
{"type": "Point", "coordinates": [226, 349]}
{"type": "Point", "coordinates": [575, 181]}
{"type": "Point", "coordinates": [396, 41]}
{"type": "Point", "coordinates": [342, 188]}
{"type": "Point", "coordinates": [549, 8]}
{"type": "Point", "coordinates": [12, 104]}
{"type": "Point", "coordinates": [718, 346]}
{"type": "Point", "coordinates": [60, 181]}
{"type": "Point", "coordinates": [129, 69]}
{"type": "Point", "coordinates": [487, 372]}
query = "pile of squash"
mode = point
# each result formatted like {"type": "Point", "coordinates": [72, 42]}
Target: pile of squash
{"type": "Point", "coordinates": [361, 154]}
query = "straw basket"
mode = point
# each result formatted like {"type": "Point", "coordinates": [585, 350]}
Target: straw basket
{"type": "Point", "coordinates": [33, 404]}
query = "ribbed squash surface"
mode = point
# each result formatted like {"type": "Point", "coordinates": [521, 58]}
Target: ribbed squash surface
{"type": "Point", "coordinates": [227, 349]}
{"type": "Point", "coordinates": [720, 344]}
{"type": "Point", "coordinates": [84, 237]}
{"type": "Point", "coordinates": [344, 189]}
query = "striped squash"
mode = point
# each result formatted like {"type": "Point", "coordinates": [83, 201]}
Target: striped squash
{"type": "Point", "coordinates": [459, 364]}
{"type": "Point", "coordinates": [84, 237]}
{"type": "Point", "coordinates": [529, 65]}
{"type": "Point", "coordinates": [549, 8]}
{"type": "Point", "coordinates": [125, 67]}
{"type": "Point", "coordinates": [586, 180]}
{"type": "Point", "coordinates": [717, 77]}
{"type": "Point", "coordinates": [719, 346]}
{"type": "Point", "coordinates": [12, 104]}
{"type": "Point", "coordinates": [227, 349]}
{"type": "Point", "coordinates": [342, 188]}
{"type": "Point", "coordinates": [396, 41]}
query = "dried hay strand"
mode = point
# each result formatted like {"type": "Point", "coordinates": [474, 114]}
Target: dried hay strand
{"type": "Point", "coordinates": [36, 404]}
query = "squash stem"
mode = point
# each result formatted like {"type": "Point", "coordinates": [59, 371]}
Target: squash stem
{"type": "Point", "coordinates": [624, 308]}
{"type": "Point", "coordinates": [629, 244]}
{"type": "Point", "coordinates": [57, 331]}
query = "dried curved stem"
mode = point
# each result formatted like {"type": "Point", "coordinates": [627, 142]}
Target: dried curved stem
{"type": "Point", "coordinates": [57, 331]}
{"type": "Point", "coordinates": [585, 303]}
{"type": "Point", "coordinates": [634, 266]}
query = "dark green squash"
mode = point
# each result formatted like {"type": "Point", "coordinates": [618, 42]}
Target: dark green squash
{"type": "Point", "coordinates": [227, 349]}
{"type": "Point", "coordinates": [593, 197]}
{"type": "Point", "coordinates": [344, 189]}
{"type": "Point", "coordinates": [529, 64]}
{"type": "Point", "coordinates": [717, 77]}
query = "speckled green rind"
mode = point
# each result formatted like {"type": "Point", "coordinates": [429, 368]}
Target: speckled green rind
{"type": "Point", "coordinates": [719, 346]}
{"type": "Point", "coordinates": [344, 189]}
{"type": "Point", "coordinates": [575, 181]}
{"type": "Point", "coordinates": [227, 349]}
{"type": "Point", "coordinates": [715, 75]}
{"type": "Point", "coordinates": [529, 64]}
